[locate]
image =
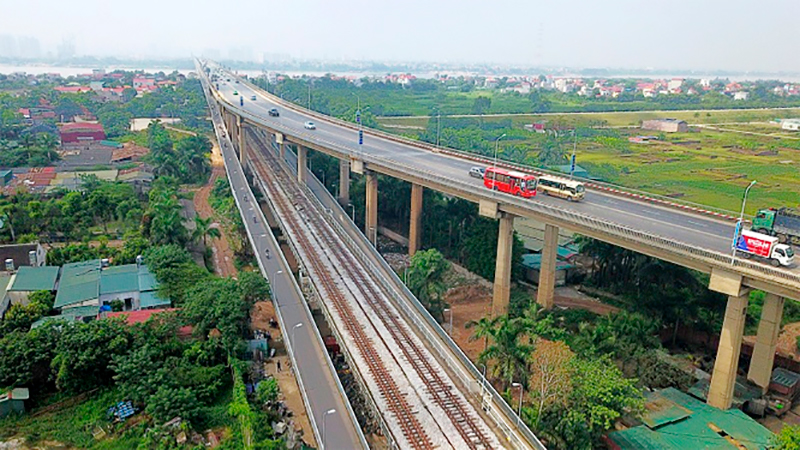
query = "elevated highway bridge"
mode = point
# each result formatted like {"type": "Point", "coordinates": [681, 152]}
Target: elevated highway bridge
{"type": "Point", "coordinates": [691, 239]}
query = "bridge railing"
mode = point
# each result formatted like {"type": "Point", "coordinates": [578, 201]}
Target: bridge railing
{"type": "Point", "coordinates": [712, 258]}
{"type": "Point", "coordinates": [602, 186]}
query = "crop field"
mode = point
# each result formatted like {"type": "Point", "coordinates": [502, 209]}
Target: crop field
{"type": "Point", "coordinates": [708, 165]}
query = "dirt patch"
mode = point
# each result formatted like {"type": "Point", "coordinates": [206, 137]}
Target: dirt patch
{"type": "Point", "coordinates": [290, 394]}
{"type": "Point", "coordinates": [220, 248]}
{"type": "Point", "coordinates": [468, 302]}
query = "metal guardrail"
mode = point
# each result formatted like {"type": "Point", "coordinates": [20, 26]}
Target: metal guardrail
{"type": "Point", "coordinates": [594, 184]}
{"type": "Point", "coordinates": [224, 140]}
{"type": "Point", "coordinates": [712, 258]}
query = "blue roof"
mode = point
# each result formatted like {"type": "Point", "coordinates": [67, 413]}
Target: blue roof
{"type": "Point", "coordinates": [150, 299]}
{"type": "Point", "coordinates": [534, 261]}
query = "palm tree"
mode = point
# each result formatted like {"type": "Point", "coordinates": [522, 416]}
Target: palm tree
{"type": "Point", "coordinates": [204, 229]}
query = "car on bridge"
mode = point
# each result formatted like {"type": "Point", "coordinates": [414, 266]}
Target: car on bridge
{"type": "Point", "coordinates": [235, 92]}
{"type": "Point", "coordinates": [309, 126]}
{"type": "Point", "coordinates": [253, 98]}
{"type": "Point", "coordinates": [273, 112]}
{"type": "Point", "coordinates": [477, 172]}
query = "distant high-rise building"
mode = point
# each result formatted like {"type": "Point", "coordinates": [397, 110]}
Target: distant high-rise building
{"type": "Point", "coordinates": [29, 47]}
{"type": "Point", "coordinates": [66, 49]}
{"type": "Point", "coordinates": [8, 46]}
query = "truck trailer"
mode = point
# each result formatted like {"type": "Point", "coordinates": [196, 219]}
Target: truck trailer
{"type": "Point", "coordinates": [751, 244]}
{"type": "Point", "coordinates": [783, 223]}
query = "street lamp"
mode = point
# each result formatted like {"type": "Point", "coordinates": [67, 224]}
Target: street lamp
{"type": "Point", "coordinates": [274, 282]}
{"type": "Point", "coordinates": [451, 319]}
{"type": "Point", "coordinates": [494, 172]}
{"type": "Point", "coordinates": [739, 223]}
{"type": "Point", "coordinates": [519, 411]}
{"type": "Point", "coordinates": [353, 211]}
{"type": "Point", "coordinates": [325, 416]}
{"type": "Point", "coordinates": [291, 338]}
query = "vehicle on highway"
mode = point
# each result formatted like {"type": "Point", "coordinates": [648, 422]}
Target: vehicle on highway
{"type": "Point", "coordinates": [253, 98]}
{"type": "Point", "coordinates": [309, 126]}
{"type": "Point", "coordinates": [783, 222]}
{"type": "Point", "coordinates": [477, 172]}
{"type": "Point", "coordinates": [763, 246]}
{"type": "Point", "coordinates": [509, 181]}
{"type": "Point", "coordinates": [273, 112]}
{"type": "Point", "coordinates": [235, 92]}
{"type": "Point", "coordinates": [561, 187]}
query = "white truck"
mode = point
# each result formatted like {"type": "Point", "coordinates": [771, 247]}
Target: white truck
{"type": "Point", "coordinates": [764, 246]}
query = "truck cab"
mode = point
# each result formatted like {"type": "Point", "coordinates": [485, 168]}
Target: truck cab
{"type": "Point", "coordinates": [783, 254]}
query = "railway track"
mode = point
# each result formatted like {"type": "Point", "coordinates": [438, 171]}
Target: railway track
{"type": "Point", "coordinates": [346, 275]}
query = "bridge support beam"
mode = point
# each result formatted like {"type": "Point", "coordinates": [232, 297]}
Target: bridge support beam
{"type": "Point", "coordinates": [302, 156]}
{"type": "Point", "coordinates": [371, 222]}
{"type": "Point", "coordinates": [344, 182]}
{"type": "Point", "coordinates": [502, 272]}
{"type": "Point", "coordinates": [415, 228]}
{"type": "Point", "coordinates": [281, 146]}
{"type": "Point", "coordinates": [769, 326]}
{"type": "Point", "coordinates": [723, 379]}
{"type": "Point", "coordinates": [240, 136]}
{"type": "Point", "coordinates": [547, 271]}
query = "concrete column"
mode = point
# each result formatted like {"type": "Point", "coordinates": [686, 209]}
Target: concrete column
{"type": "Point", "coordinates": [240, 135]}
{"type": "Point", "coordinates": [723, 380]}
{"type": "Point", "coordinates": [415, 229]}
{"type": "Point", "coordinates": [769, 326]}
{"type": "Point", "coordinates": [547, 271]}
{"type": "Point", "coordinates": [302, 155]}
{"type": "Point", "coordinates": [344, 182]}
{"type": "Point", "coordinates": [502, 272]}
{"type": "Point", "coordinates": [371, 222]}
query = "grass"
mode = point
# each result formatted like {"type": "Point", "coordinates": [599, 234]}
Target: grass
{"type": "Point", "coordinates": [71, 426]}
{"type": "Point", "coordinates": [623, 119]}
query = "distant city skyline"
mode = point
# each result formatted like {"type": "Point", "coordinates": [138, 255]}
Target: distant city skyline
{"type": "Point", "coordinates": [687, 36]}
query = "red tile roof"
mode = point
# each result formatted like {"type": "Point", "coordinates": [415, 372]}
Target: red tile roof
{"type": "Point", "coordinates": [141, 316]}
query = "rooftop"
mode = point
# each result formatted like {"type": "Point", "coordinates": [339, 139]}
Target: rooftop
{"type": "Point", "coordinates": [41, 278]}
{"type": "Point", "coordinates": [80, 282]}
{"type": "Point", "coordinates": [675, 420]}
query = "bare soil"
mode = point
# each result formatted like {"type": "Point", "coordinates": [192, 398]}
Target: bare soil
{"type": "Point", "coordinates": [220, 248]}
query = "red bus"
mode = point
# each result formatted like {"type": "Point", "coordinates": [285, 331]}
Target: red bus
{"type": "Point", "coordinates": [516, 183]}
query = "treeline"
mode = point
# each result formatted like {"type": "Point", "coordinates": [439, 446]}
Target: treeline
{"type": "Point", "coordinates": [162, 370]}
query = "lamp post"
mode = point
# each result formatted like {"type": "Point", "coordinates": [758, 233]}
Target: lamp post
{"type": "Point", "coordinates": [325, 416]}
{"type": "Point", "coordinates": [273, 283]}
{"type": "Point", "coordinates": [295, 327]}
{"type": "Point", "coordinates": [483, 382]}
{"type": "Point", "coordinates": [496, 145]}
{"type": "Point", "coordinates": [358, 120]}
{"type": "Point", "coordinates": [519, 411]}
{"type": "Point", "coordinates": [574, 149]}
{"type": "Point", "coordinates": [353, 211]}
{"type": "Point", "coordinates": [738, 228]}
{"type": "Point", "coordinates": [451, 320]}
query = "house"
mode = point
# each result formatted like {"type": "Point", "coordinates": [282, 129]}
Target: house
{"type": "Point", "coordinates": [13, 401]}
{"type": "Point", "coordinates": [677, 421]}
{"type": "Point", "coordinates": [532, 265]}
{"type": "Point", "coordinates": [26, 281]}
{"type": "Point", "coordinates": [144, 84]}
{"type": "Point", "coordinates": [790, 124]}
{"type": "Point", "coordinates": [666, 125]}
{"type": "Point", "coordinates": [741, 95]}
{"type": "Point", "coordinates": [82, 132]}
{"type": "Point", "coordinates": [132, 317]}
{"type": "Point", "coordinates": [674, 84]}
{"type": "Point", "coordinates": [93, 284]}
{"type": "Point", "coordinates": [18, 255]}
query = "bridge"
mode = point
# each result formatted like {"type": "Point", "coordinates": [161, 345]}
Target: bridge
{"type": "Point", "coordinates": [692, 239]}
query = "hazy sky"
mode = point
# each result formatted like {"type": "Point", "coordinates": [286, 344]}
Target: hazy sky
{"type": "Point", "coordinates": [679, 34]}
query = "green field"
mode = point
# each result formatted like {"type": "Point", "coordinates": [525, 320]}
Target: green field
{"type": "Point", "coordinates": [621, 119]}
{"type": "Point", "coordinates": [705, 166]}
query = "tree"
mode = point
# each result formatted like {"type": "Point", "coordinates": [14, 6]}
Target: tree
{"type": "Point", "coordinates": [788, 438]}
{"type": "Point", "coordinates": [551, 375]}
{"type": "Point", "coordinates": [204, 228]}
{"type": "Point", "coordinates": [481, 105]}
{"type": "Point", "coordinates": [20, 317]}
{"type": "Point", "coordinates": [426, 280]}
{"type": "Point", "coordinates": [508, 346]}
{"type": "Point", "coordinates": [267, 391]}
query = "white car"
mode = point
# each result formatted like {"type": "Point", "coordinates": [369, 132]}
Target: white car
{"type": "Point", "coordinates": [477, 172]}
{"type": "Point", "coordinates": [310, 126]}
